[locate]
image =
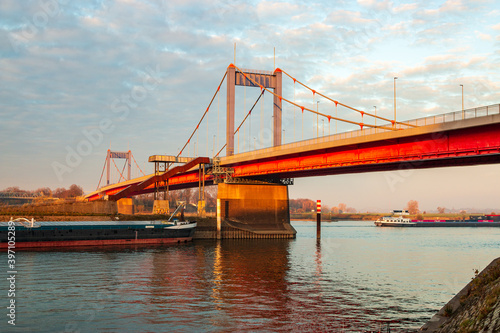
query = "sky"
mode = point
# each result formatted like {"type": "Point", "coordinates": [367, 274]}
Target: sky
{"type": "Point", "coordinates": [81, 77]}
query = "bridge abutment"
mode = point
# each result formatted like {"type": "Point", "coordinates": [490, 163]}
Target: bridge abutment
{"type": "Point", "coordinates": [259, 209]}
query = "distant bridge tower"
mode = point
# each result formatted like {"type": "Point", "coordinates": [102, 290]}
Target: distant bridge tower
{"type": "Point", "coordinates": [110, 157]}
{"type": "Point", "coordinates": [266, 80]}
{"type": "Point", "coordinates": [127, 155]}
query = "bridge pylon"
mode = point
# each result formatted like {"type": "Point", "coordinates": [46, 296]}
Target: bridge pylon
{"type": "Point", "coordinates": [110, 157]}
{"type": "Point", "coordinates": [127, 155]}
{"type": "Point", "coordinates": [264, 79]}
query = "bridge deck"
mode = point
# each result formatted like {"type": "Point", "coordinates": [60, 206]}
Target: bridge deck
{"type": "Point", "coordinates": [438, 141]}
{"type": "Point", "coordinates": [464, 142]}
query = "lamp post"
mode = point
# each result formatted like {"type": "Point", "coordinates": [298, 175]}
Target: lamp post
{"type": "Point", "coordinates": [375, 114]}
{"type": "Point", "coordinates": [317, 119]}
{"type": "Point", "coordinates": [463, 112]}
{"type": "Point", "coordinates": [395, 78]}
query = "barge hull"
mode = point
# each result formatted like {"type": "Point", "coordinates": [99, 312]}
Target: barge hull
{"type": "Point", "coordinates": [78, 234]}
{"type": "Point", "coordinates": [101, 242]}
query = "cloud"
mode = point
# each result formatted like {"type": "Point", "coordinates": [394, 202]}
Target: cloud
{"type": "Point", "coordinates": [347, 17]}
{"type": "Point", "coordinates": [65, 77]}
{"type": "Point", "coordinates": [483, 36]}
{"type": "Point", "coordinates": [405, 8]}
{"type": "Point", "coordinates": [273, 12]}
{"type": "Point", "coordinates": [374, 4]}
{"type": "Point", "coordinates": [453, 6]}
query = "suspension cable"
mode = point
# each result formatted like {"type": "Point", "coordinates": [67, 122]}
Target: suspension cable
{"type": "Point", "coordinates": [346, 106]}
{"type": "Point", "coordinates": [204, 114]}
{"type": "Point", "coordinates": [121, 175]}
{"type": "Point", "coordinates": [138, 167]}
{"type": "Point", "coordinates": [294, 111]}
{"type": "Point", "coordinates": [316, 112]}
{"type": "Point", "coordinates": [302, 107]}
{"type": "Point", "coordinates": [102, 173]}
{"type": "Point", "coordinates": [123, 170]}
{"type": "Point", "coordinates": [243, 121]}
{"type": "Point", "coordinates": [262, 116]}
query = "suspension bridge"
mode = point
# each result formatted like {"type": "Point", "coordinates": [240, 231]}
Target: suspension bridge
{"type": "Point", "coordinates": [253, 181]}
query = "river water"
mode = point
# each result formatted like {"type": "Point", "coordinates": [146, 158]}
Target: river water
{"type": "Point", "coordinates": [356, 279]}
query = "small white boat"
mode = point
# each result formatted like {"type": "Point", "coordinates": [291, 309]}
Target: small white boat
{"type": "Point", "coordinates": [176, 224]}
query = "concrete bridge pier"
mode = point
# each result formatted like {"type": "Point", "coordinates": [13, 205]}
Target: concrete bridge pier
{"type": "Point", "coordinates": [257, 210]}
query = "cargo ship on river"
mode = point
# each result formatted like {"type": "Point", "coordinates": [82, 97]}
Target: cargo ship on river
{"type": "Point", "coordinates": [23, 233]}
{"type": "Point", "coordinates": [397, 220]}
{"type": "Point", "coordinates": [31, 234]}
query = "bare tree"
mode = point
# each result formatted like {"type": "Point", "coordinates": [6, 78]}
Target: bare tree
{"type": "Point", "coordinates": [14, 189]}
{"type": "Point", "coordinates": [73, 192]}
{"type": "Point", "coordinates": [412, 207]}
{"type": "Point", "coordinates": [441, 210]}
{"type": "Point", "coordinates": [44, 191]}
{"type": "Point", "coordinates": [211, 197]}
{"type": "Point", "coordinates": [342, 208]}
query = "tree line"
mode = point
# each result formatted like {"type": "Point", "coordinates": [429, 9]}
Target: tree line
{"type": "Point", "coordinates": [307, 205]}
{"type": "Point", "coordinates": [72, 192]}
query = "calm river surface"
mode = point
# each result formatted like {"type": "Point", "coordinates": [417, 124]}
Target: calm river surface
{"type": "Point", "coordinates": [357, 276]}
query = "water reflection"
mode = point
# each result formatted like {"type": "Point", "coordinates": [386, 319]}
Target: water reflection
{"type": "Point", "coordinates": [354, 279]}
{"type": "Point", "coordinates": [249, 283]}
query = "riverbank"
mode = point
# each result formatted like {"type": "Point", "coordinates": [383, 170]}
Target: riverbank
{"type": "Point", "coordinates": [372, 216]}
{"type": "Point", "coordinates": [476, 308]}
{"type": "Point", "coordinates": [335, 217]}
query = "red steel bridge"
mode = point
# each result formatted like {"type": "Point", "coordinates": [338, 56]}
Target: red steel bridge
{"type": "Point", "coordinates": [462, 138]}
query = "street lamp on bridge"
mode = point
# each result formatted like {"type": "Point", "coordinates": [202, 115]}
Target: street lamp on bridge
{"type": "Point", "coordinates": [463, 113]}
{"type": "Point", "coordinates": [375, 114]}
{"type": "Point", "coordinates": [317, 119]}
{"type": "Point", "coordinates": [395, 78]}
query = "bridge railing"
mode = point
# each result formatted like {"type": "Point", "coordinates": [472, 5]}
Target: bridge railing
{"type": "Point", "coordinates": [457, 115]}
{"type": "Point", "coordinates": [430, 120]}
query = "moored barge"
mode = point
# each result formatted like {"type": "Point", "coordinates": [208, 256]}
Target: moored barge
{"type": "Point", "coordinates": [31, 234]}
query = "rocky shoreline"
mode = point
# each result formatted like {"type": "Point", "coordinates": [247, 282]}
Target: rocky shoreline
{"type": "Point", "coordinates": [476, 308]}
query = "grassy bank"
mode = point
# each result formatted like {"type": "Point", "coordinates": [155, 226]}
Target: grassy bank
{"type": "Point", "coordinates": [373, 216]}
{"type": "Point", "coordinates": [336, 217]}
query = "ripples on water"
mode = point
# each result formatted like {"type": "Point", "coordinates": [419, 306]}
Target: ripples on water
{"type": "Point", "coordinates": [356, 278]}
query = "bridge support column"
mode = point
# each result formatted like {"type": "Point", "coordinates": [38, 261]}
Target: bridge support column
{"type": "Point", "coordinates": [260, 209]}
{"type": "Point", "coordinates": [161, 207]}
{"type": "Point", "coordinates": [125, 206]}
